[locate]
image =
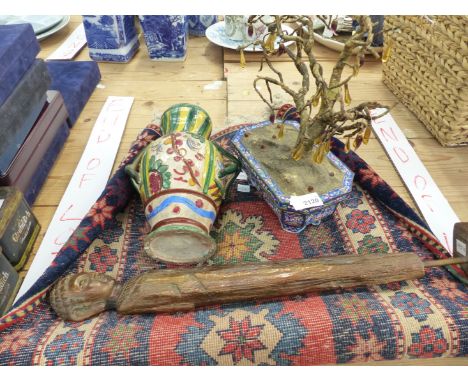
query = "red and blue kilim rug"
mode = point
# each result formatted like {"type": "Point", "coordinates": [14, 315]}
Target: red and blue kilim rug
{"type": "Point", "coordinates": [426, 318]}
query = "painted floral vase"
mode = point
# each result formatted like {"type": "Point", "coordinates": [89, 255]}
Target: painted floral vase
{"type": "Point", "coordinates": [292, 219]}
{"type": "Point", "coordinates": [199, 23]}
{"type": "Point", "coordinates": [165, 37]}
{"type": "Point", "coordinates": [182, 178]}
{"type": "Point", "coordinates": [236, 28]}
{"type": "Point", "coordinates": [111, 38]}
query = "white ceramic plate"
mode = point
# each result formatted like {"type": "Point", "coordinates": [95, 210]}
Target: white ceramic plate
{"type": "Point", "coordinates": [336, 45]}
{"type": "Point", "coordinates": [40, 24]}
{"type": "Point", "coordinates": [55, 29]}
{"type": "Point", "coordinates": [216, 34]}
{"type": "Point", "coordinates": [318, 24]}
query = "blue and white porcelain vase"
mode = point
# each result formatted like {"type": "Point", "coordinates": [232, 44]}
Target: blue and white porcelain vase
{"type": "Point", "coordinates": [378, 21]}
{"type": "Point", "coordinates": [199, 23]}
{"type": "Point", "coordinates": [111, 38]}
{"type": "Point", "coordinates": [165, 37]}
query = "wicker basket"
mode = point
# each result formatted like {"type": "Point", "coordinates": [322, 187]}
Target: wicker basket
{"type": "Point", "coordinates": [428, 72]}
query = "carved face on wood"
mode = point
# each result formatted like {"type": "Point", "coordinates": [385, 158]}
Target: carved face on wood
{"type": "Point", "coordinates": [80, 296]}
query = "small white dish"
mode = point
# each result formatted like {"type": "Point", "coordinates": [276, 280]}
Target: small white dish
{"type": "Point", "coordinates": [217, 35]}
{"type": "Point", "coordinates": [62, 24]}
{"type": "Point", "coordinates": [40, 24]}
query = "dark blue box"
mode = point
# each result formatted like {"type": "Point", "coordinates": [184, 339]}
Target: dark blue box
{"type": "Point", "coordinates": [20, 111]}
{"type": "Point", "coordinates": [35, 158]}
{"type": "Point", "coordinates": [46, 164]}
{"type": "Point", "coordinates": [18, 49]}
{"type": "Point", "coordinates": [76, 81]}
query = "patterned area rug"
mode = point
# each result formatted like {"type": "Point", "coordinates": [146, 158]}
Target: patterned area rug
{"type": "Point", "coordinates": [427, 318]}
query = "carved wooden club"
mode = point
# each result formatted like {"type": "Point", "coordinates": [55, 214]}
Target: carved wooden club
{"type": "Point", "coordinates": [80, 296]}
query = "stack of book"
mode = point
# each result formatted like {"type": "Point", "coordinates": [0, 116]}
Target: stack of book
{"type": "Point", "coordinates": [39, 103]}
{"type": "Point", "coordinates": [33, 120]}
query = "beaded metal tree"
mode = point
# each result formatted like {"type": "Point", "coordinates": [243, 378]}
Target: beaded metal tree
{"type": "Point", "coordinates": [319, 121]}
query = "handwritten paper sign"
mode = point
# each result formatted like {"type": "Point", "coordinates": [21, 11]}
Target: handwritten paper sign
{"type": "Point", "coordinates": [71, 46]}
{"type": "Point", "coordinates": [431, 202]}
{"type": "Point", "coordinates": [461, 247]}
{"type": "Point", "coordinates": [305, 201]}
{"type": "Point", "coordinates": [242, 176]}
{"type": "Point", "coordinates": [86, 185]}
{"type": "Point", "coordinates": [243, 188]}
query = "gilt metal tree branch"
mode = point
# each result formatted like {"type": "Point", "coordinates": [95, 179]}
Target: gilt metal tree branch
{"type": "Point", "coordinates": [319, 119]}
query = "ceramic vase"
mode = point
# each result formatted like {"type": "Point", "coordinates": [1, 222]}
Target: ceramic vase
{"type": "Point", "coordinates": [236, 28]}
{"type": "Point", "coordinates": [111, 38]}
{"type": "Point", "coordinates": [199, 23]}
{"type": "Point", "coordinates": [182, 177]}
{"type": "Point", "coordinates": [165, 37]}
{"type": "Point", "coordinates": [291, 220]}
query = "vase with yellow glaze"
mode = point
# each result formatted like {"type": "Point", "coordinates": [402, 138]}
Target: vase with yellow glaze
{"type": "Point", "coordinates": [182, 178]}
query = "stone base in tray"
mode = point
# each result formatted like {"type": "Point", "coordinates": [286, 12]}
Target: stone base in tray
{"type": "Point", "coordinates": [268, 164]}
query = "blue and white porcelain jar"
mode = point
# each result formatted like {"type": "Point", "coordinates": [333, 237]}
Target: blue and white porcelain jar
{"type": "Point", "coordinates": [165, 37]}
{"type": "Point", "coordinates": [111, 38]}
{"type": "Point", "coordinates": [378, 21]}
{"type": "Point", "coordinates": [199, 23]}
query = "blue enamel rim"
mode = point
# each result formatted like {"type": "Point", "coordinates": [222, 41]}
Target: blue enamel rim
{"type": "Point", "coordinates": [265, 179]}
